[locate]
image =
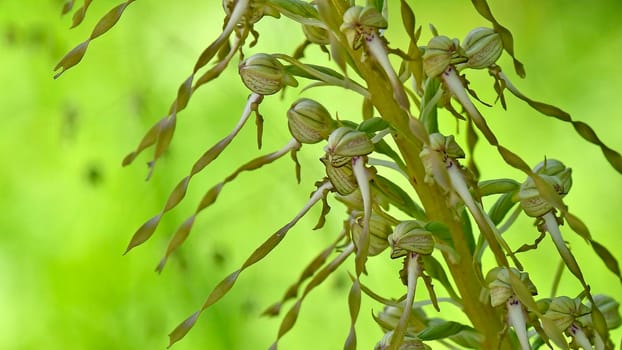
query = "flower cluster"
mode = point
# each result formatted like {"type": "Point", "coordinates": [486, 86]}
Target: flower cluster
{"type": "Point", "coordinates": [426, 225]}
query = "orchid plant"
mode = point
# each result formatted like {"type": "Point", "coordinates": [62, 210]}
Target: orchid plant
{"type": "Point", "coordinates": [426, 224]}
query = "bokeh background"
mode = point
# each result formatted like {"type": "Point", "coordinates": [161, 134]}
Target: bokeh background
{"type": "Point", "coordinates": [68, 208]}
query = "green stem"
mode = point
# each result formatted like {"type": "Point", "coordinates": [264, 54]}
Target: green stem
{"type": "Point", "coordinates": [410, 141]}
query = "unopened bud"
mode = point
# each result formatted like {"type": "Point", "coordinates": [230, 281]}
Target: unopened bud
{"type": "Point", "coordinates": [264, 74]}
{"type": "Point", "coordinates": [309, 121]}
{"type": "Point", "coordinates": [345, 143]}
{"type": "Point", "coordinates": [439, 54]}
{"type": "Point", "coordinates": [315, 34]}
{"type": "Point", "coordinates": [482, 47]}
{"type": "Point", "coordinates": [379, 229]}
{"type": "Point", "coordinates": [410, 237]}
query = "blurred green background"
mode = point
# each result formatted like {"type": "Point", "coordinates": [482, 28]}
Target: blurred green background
{"type": "Point", "coordinates": [68, 208]}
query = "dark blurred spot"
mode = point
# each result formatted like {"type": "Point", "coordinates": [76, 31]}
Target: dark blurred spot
{"type": "Point", "coordinates": [69, 123]}
{"type": "Point", "coordinates": [37, 35]}
{"type": "Point", "coordinates": [219, 258]}
{"type": "Point", "coordinates": [94, 175]}
{"type": "Point", "coordinates": [137, 103]}
{"type": "Point", "coordinates": [340, 282]}
{"type": "Point", "coordinates": [249, 307]}
{"type": "Point", "coordinates": [10, 34]}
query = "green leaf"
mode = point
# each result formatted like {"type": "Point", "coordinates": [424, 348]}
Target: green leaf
{"type": "Point", "coordinates": [67, 6]}
{"type": "Point", "coordinates": [554, 333]}
{"type": "Point", "coordinates": [398, 197]}
{"type": "Point", "coordinates": [300, 11]}
{"type": "Point", "coordinates": [383, 147]}
{"type": "Point", "coordinates": [80, 13]}
{"type": "Point", "coordinates": [178, 193]}
{"type": "Point", "coordinates": [434, 268]}
{"type": "Point", "coordinates": [307, 273]}
{"type": "Point", "coordinates": [614, 158]}
{"type": "Point", "coordinates": [577, 226]}
{"type": "Point", "coordinates": [440, 231]}
{"type": "Point", "coordinates": [144, 232]}
{"type": "Point", "coordinates": [608, 258]}
{"type": "Point", "coordinates": [321, 73]}
{"type": "Point", "coordinates": [501, 207]}
{"type": "Point", "coordinates": [290, 318]}
{"type": "Point", "coordinates": [408, 20]}
{"type": "Point", "coordinates": [109, 19]}
{"type": "Point", "coordinates": [523, 294]}
{"type": "Point", "coordinates": [149, 139]}
{"type": "Point", "coordinates": [354, 305]}
{"type": "Point", "coordinates": [468, 231]}
{"type": "Point", "coordinates": [72, 58]}
{"type": "Point", "coordinates": [165, 135]}
{"type": "Point", "coordinates": [372, 125]}
{"type": "Point", "coordinates": [442, 330]}
{"type": "Point", "coordinates": [178, 239]}
{"type": "Point", "coordinates": [497, 186]}
{"type": "Point", "coordinates": [182, 329]}
{"type": "Point", "coordinates": [325, 210]}
{"type": "Point", "coordinates": [431, 97]}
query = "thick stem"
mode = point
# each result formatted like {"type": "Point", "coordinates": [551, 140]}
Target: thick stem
{"type": "Point", "coordinates": [465, 276]}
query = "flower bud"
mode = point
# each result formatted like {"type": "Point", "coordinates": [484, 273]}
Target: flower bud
{"type": "Point", "coordinates": [439, 54]}
{"type": "Point", "coordinates": [341, 177]}
{"type": "Point", "coordinates": [360, 21]}
{"type": "Point", "coordinates": [557, 169]}
{"type": "Point", "coordinates": [379, 229]}
{"type": "Point", "coordinates": [410, 237]}
{"type": "Point", "coordinates": [255, 11]}
{"type": "Point", "coordinates": [551, 171]}
{"type": "Point", "coordinates": [482, 47]}
{"type": "Point", "coordinates": [308, 121]}
{"type": "Point", "coordinates": [315, 34]}
{"type": "Point", "coordinates": [563, 311]}
{"type": "Point", "coordinates": [390, 315]}
{"type": "Point", "coordinates": [609, 307]}
{"type": "Point", "coordinates": [264, 74]}
{"type": "Point", "coordinates": [408, 343]}
{"type": "Point", "coordinates": [446, 144]}
{"type": "Point", "coordinates": [345, 143]}
{"type": "Point", "coordinates": [500, 286]}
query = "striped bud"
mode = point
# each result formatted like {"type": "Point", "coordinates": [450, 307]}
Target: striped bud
{"type": "Point", "coordinates": [345, 143]}
{"type": "Point", "coordinates": [379, 229]}
{"type": "Point", "coordinates": [439, 54]}
{"type": "Point", "coordinates": [482, 47]}
{"type": "Point", "coordinates": [557, 175]}
{"type": "Point", "coordinates": [264, 74]}
{"type": "Point", "coordinates": [410, 237]}
{"type": "Point", "coordinates": [315, 34]}
{"type": "Point", "coordinates": [341, 177]}
{"type": "Point", "coordinates": [500, 286]}
{"type": "Point", "coordinates": [308, 121]}
{"type": "Point", "coordinates": [563, 311]}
